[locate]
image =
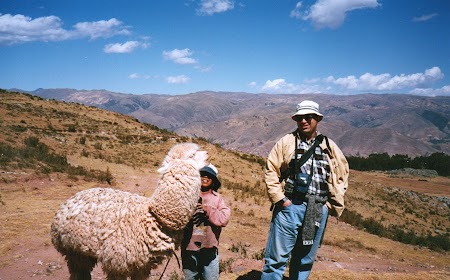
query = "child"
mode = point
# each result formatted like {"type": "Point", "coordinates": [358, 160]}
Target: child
{"type": "Point", "coordinates": [199, 249]}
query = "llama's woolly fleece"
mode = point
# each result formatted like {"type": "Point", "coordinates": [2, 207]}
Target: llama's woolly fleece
{"type": "Point", "coordinates": [128, 233]}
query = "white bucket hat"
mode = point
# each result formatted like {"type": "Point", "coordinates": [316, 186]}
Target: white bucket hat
{"type": "Point", "coordinates": [307, 107]}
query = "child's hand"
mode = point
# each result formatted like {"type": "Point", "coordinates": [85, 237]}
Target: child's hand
{"type": "Point", "coordinates": [200, 217]}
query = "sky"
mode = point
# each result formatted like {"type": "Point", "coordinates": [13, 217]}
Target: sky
{"type": "Point", "coordinates": [256, 46]}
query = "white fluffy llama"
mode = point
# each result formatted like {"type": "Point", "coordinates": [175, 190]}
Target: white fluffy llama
{"type": "Point", "coordinates": [127, 233]}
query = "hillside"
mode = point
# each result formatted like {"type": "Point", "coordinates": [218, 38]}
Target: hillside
{"type": "Point", "coordinates": [361, 124]}
{"type": "Point", "coordinates": [32, 187]}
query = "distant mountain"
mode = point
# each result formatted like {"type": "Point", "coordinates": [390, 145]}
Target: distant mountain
{"type": "Point", "coordinates": [360, 124]}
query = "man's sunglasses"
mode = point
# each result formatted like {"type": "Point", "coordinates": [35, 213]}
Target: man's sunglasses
{"type": "Point", "coordinates": [307, 118]}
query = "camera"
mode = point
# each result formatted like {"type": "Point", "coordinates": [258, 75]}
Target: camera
{"type": "Point", "coordinates": [302, 180]}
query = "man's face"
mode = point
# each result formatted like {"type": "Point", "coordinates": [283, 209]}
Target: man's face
{"type": "Point", "coordinates": [307, 124]}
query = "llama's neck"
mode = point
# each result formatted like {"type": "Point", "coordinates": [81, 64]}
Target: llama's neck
{"type": "Point", "coordinates": [175, 198]}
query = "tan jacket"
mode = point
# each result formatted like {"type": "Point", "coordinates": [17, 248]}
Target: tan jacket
{"type": "Point", "coordinates": [278, 161]}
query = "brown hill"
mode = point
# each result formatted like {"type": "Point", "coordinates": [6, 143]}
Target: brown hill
{"type": "Point", "coordinates": [360, 124]}
{"type": "Point", "coordinates": [32, 187]}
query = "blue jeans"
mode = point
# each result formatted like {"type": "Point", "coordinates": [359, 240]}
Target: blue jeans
{"type": "Point", "coordinates": [202, 264]}
{"type": "Point", "coordinates": [285, 241]}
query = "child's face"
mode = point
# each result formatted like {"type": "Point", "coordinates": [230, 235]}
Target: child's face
{"type": "Point", "coordinates": [206, 182]}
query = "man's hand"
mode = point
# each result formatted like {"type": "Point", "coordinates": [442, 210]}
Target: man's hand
{"type": "Point", "coordinates": [285, 202]}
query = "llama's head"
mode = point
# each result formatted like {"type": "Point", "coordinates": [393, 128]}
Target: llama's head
{"type": "Point", "coordinates": [175, 198]}
{"type": "Point", "coordinates": [189, 153]}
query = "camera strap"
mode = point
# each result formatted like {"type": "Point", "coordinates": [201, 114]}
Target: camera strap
{"type": "Point", "coordinates": [295, 163]}
{"type": "Point", "coordinates": [308, 153]}
{"type": "Point", "coordinates": [298, 163]}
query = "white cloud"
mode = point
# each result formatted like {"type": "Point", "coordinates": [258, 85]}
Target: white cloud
{"type": "Point", "coordinates": [203, 69]}
{"type": "Point", "coordinates": [126, 47]}
{"type": "Point", "coordinates": [277, 84]}
{"type": "Point", "coordinates": [181, 79]}
{"type": "Point", "coordinates": [331, 13]}
{"type": "Point", "coordinates": [386, 82]}
{"type": "Point", "coordinates": [134, 76]}
{"type": "Point", "coordinates": [20, 29]}
{"type": "Point", "coordinates": [281, 86]}
{"type": "Point", "coordinates": [180, 56]}
{"type": "Point", "coordinates": [416, 83]}
{"type": "Point", "coordinates": [101, 29]}
{"type": "Point", "coordinates": [15, 29]}
{"type": "Point", "coordinates": [424, 17]}
{"type": "Point", "coordinates": [445, 91]}
{"type": "Point", "coordinates": [210, 7]}
{"type": "Point", "coordinates": [296, 13]}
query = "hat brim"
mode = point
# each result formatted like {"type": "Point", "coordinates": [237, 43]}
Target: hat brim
{"type": "Point", "coordinates": [216, 184]}
{"type": "Point", "coordinates": [306, 112]}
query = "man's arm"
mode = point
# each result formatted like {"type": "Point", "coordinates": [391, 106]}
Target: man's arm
{"type": "Point", "coordinates": [275, 163]}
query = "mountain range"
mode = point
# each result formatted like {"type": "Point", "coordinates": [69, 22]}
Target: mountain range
{"type": "Point", "coordinates": [361, 124]}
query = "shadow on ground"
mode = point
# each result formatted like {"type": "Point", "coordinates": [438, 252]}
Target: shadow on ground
{"type": "Point", "coordinates": [254, 275]}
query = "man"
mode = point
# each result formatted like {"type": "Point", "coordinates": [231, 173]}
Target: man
{"type": "Point", "coordinates": [302, 194]}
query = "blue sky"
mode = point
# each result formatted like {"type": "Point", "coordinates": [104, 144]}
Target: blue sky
{"type": "Point", "coordinates": [185, 46]}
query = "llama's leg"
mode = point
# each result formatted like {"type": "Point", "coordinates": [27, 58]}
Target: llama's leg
{"type": "Point", "coordinates": [141, 274]}
{"type": "Point", "coordinates": [113, 276]}
{"type": "Point", "coordinates": [80, 267]}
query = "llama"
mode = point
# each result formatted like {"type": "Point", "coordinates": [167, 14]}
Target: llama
{"type": "Point", "coordinates": [127, 233]}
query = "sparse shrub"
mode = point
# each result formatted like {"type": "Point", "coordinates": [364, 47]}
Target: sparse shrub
{"type": "Point", "coordinates": [234, 248]}
{"type": "Point", "coordinates": [82, 140]}
{"type": "Point", "coordinates": [348, 244]}
{"type": "Point", "coordinates": [72, 128]}
{"type": "Point", "coordinates": [72, 177]}
{"type": "Point", "coordinates": [439, 242]}
{"type": "Point", "coordinates": [18, 128]}
{"type": "Point", "coordinates": [259, 255]}
{"type": "Point", "coordinates": [105, 176]}
{"type": "Point", "coordinates": [251, 191]}
{"type": "Point", "coordinates": [99, 156]}
{"type": "Point", "coordinates": [174, 276]}
{"type": "Point", "coordinates": [225, 265]}
{"type": "Point", "coordinates": [7, 153]}
{"type": "Point", "coordinates": [119, 160]}
{"type": "Point", "coordinates": [98, 145]}
{"type": "Point", "coordinates": [239, 248]}
{"type": "Point", "coordinates": [39, 156]}
{"type": "Point", "coordinates": [31, 141]}
{"type": "Point", "coordinates": [84, 153]}
{"type": "Point", "coordinates": [50, 126]}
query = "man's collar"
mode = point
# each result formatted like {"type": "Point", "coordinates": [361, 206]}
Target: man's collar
{"type": "Point", "coordinates": [303, 138]}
